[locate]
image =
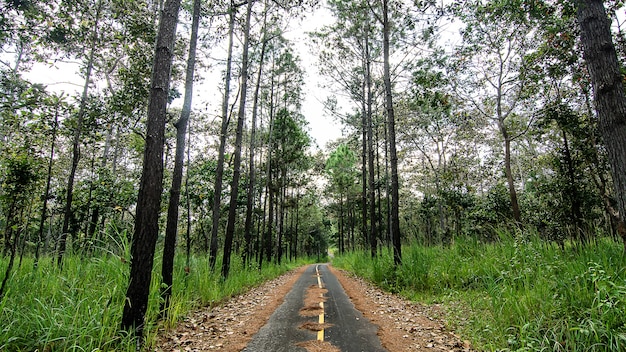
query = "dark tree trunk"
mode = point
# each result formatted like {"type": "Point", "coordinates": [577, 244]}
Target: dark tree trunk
{"type": "Point", "coordinates": [151, 185]}
{"type": "Point", "coordinates": [171, 228]}
{"type": "Point", "coordinates": [251, 167]}
{"type": "Point", "coordinates": [219, 172]}
{"type": "Point", "coordinates": [10, 244]}
{"type": "Point", "coordinates": [573, 194]}
{"type": "Point", "coordinates": [609, 96]}
{"type": "Point", "coordinates": [364, 184]}
{"type": "Point", "coordinates": [234, 186]}
{"type": "Point", "coordinates": [509, 174]}
{"type": "Point", "coordinates": [395, 194]}
{"type": "Point", "coordinates": [373, 235]}
{"type": "Point", "coordinates": [46, 193]}
{"type": "Point", "coordinates": [76, 142]}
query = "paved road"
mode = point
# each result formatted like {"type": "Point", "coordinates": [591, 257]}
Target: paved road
{"type": "Point", "coordinates": [350, 331]}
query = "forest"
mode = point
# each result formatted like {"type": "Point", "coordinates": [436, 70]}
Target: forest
{"type": "Point", "coordinates": [172, 163]}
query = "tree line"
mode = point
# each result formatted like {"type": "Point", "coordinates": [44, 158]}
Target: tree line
{"type": "Point", "coordinates": [463, 119]}
{"type": "Point", "coordinates": [121, 162]}
{"type": "Point", "coordinates": [506, 116]}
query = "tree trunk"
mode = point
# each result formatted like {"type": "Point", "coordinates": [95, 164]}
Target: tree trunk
{"type": "Point", "coordinates": [46, 193]}
{"type": "Point", "coordinates": [151, 185]}
{"type": "Point", "coordinates": [395, 194]}
{"type": "Point", "coordinates": [251, 167]}
{"type": "Point", "coordinates": [364, 154]}
{"type": "Point", "coordinates": [219, 173]}
{"type": "Point", "coordinates": [509, 174]}
{"type": "Point", "coordinates": [609, 96]}
{"type": "Point", "coordinates": [373, 235]}
{"type": "Point", "coordinates": [76, 142]}
{"type": "Point", "coordinates": [572, 191]}
{"type": "Point", "coordinates": [171, 228]}
{"type": "Point", "coordinates": [234, 186]}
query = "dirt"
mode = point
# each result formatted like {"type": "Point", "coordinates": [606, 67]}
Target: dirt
{"type": "Point", "coordinates": [403, 325]}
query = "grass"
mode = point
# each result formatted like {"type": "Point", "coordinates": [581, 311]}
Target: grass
{"type": "Point", "coordinates": [80, 307]}
{"type": "Point", "coordinates": [514, 295]}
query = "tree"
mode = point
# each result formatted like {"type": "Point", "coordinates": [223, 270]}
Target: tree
{"type": "Point", "coordinates": [234, 187]}
{"type": "Point", "coordinates": [609, 95]}
{"type": "Point", "coordinates": [18, 184]}
{"type": "Point", "coordinates": [151, 185]}
{"type": "Point", "coordinates": [496, 40]}
{"type": "Point", "coordinates": [171, 228]}
{"type": "Point", "coordinates": [77, 133]}
{"type": "Point", "coordinates": [393, 154]}
{"type": "Point", "coordinates": [219, 175]}
{"type": "Point", "coordinates": [340, 168]}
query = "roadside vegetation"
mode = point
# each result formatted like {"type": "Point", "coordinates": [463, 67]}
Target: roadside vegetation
{"type": "Point", "coordinates": [516, 293]}
{"type": "Point", "coordinates": [79, 307]}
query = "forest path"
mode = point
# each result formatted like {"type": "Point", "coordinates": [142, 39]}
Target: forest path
{"type": "Point", "coordinates": [316, 314]}
{"type": "Point", "coordinates": [284, 315]}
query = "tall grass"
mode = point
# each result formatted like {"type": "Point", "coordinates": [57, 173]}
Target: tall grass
{"type": "Point", "coordinates": [517, 294]}
{"type": "Point", "coordinates": [79, 308]}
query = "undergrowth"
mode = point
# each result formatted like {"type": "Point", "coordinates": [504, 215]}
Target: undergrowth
{"type": "Point", "coordinates": [516, 294]}
{"type": "Point", "coordinates": [79, 308]}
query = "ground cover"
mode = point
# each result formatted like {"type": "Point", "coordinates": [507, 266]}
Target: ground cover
{"type": "Point", "coordinates": [514, 294]}
{"type": "Point", "coordinates": [79, 307]}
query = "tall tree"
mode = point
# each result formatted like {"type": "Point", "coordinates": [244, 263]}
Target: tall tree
{"type": "Point", "coordinates": [234, 187]}
{"type": "Point", "coordinates": [609, 96]}
{"type": "Point", "coordinates": [219, 174]}
{"type": "Point", "coordinates": [151, 185]}
{"type": "Point", "coordinates": [340, 168]}
{"type": "Point", "coordinates": [393, 154]}
{"type": "Point", "coordinates": [251, 162]}
{"type": "Point", "coordinates": [171, 228]}
{"type": "Point", "coordinates": [492, 62]}
{"type": "Point", "coordinates": [77, 134]}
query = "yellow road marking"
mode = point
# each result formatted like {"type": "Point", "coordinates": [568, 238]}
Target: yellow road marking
{"type": "Point", "coordinates": [320, 334]}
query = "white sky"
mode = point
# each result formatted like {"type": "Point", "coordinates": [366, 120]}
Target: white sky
{"type": "Point", "coordinates": [207, 98]}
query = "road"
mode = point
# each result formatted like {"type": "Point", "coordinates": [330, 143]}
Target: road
{"type": "Point", "coordinates": [316, 302]}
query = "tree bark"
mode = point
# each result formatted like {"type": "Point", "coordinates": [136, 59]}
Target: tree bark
{"type": "Point", "coordinates": [151, 185]}
{"type": "Point", "coordinates": [219, 172]}
{"type": "Point", "coordinates": [234, 186]}
{"type": "Point", "coordinates": [370, 150]}
{"type": "Point", "coordinates": [76, 142]}
{"type": "Point", "coordinates": [171, 228]}
{"type": "Point", "coordinates": [395, 194]}
{"type": "Point", "coordinates": [609, 97]}
{"type": "Point", "coordinates": [46, 194]}
{"type": "Point", "coordinates": [251, 167]}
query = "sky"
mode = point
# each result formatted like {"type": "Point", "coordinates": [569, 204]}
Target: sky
{"type": "Point", "coordinates": [65, 77]}
{"type": "Point", "coordinates": [323, 128]}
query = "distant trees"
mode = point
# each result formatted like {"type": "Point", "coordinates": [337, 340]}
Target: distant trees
{"type": "Point", "coordinates": [502, 132]}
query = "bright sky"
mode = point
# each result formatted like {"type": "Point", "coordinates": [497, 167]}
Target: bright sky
{"type": "Point", "coordinates": [65, 77]}
{"type": "Point", "coordinates": [323, 128]}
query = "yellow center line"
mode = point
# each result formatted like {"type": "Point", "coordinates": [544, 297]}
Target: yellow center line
{"type": "Point", "coordinates": [320, 334]}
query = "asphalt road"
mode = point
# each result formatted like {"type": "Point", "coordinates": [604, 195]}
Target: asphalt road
{"type": "Point", "coordinates": [349, 330]}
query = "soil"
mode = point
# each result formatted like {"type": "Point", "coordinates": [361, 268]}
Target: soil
{"type": "Point", "coordinates": [403, 325]}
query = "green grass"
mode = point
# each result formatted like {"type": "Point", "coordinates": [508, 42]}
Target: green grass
{"type": "Point", "coordinates": [514, 295]}
{"type": "Point", "coordinates": [80, 307]}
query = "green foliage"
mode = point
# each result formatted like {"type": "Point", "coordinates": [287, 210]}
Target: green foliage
{"type": "Point", "coordinates": [80, 307]}
{"type": "Point", "coordinates": [516, 294]}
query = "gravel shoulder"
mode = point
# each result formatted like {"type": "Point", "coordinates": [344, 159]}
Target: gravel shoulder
{"type": "Point", "coordinates": [402, 325]}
